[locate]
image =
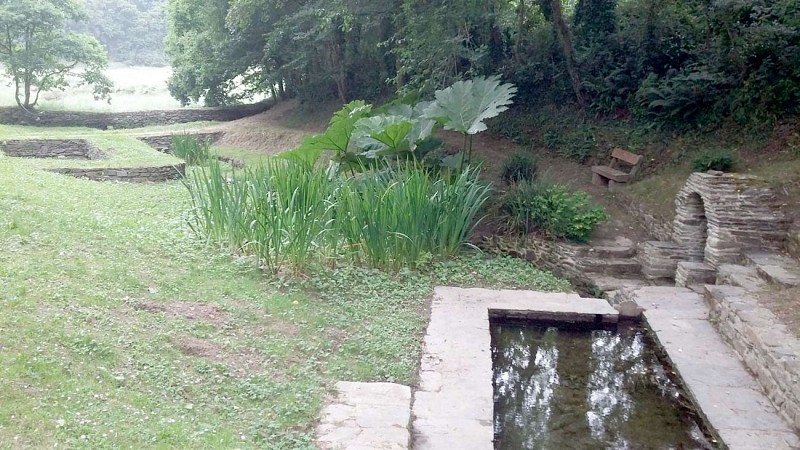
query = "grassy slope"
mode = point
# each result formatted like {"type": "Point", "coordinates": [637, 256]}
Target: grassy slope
{"type": "Point", "coordinates": [119, 329]}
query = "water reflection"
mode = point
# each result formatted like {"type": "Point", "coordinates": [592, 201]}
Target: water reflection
{"type": "Point", "coordinates": [579, 389]}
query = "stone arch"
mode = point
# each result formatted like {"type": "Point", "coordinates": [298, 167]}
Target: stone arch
{"type": "Point", "coordinates": [691, 227]}
{"type": "Point", "coordinates": [718, 216]}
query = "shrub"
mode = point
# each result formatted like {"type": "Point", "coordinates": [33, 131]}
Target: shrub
{"type": "Point", "coordinates": [552, 139]}
{"type": "Point", "coordinates": [553, 210]}
{"type": "Point", "coordinates": [722, 160]}
{"type": "Point", "coordinates": [521, 166]}
{"type": "Point", "coordinates": [191, 149]}
{"type": "Point", "coordinates": [578, 145]}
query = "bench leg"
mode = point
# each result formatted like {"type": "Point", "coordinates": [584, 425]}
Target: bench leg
{"type": "Point", "coordinates": [612, 186]}
{"type": "Point", "coordinates": [599, 180]}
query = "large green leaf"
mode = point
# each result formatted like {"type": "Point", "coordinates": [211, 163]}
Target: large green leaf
{"type": "Point", "coordinates": [336, 138]}
{"type": "Point", "coordinates": [465, 105]}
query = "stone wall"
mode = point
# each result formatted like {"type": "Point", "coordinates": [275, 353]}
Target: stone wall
{"type": "Point", "coordinates": [124, 120]}
{"type": "Point", "coordinates": [51, 148]}
{"type": "Point", "coordinates": [766, 346]}
{"type": "Point", "coordinates": [719, 215]}
{"type": "Point", "coordinates": [163, 142]}
{"type": "Point", "coordinates": [132, 174]}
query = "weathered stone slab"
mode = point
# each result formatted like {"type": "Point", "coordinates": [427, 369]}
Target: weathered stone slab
{"type": "Point", "coordinates": [453, 407]}
{"type": "Point", "coordinates": [690, 273]}
{"type": "Point", "coordinates": [741, 276]}
{"type": "Point", "coordinates": [366, 416]}
{"type": "Point", "coordinates": [729, 397]}
{"type": "Point", "coordinates": [779, 269]}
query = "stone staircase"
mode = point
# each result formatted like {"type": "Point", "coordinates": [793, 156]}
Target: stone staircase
{"type": "Point", "coordinates": [759, 270]}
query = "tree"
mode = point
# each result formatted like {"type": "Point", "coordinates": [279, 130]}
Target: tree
{"type": "Point", "coordinates": [40, 54]}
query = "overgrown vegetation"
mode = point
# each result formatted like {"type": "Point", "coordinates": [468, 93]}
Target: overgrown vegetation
{"type": "Point", "coordinates": [552, 210]}
{"type": "Point", "coordinates": [669, 63]}
{"type": "Point", "coordinates": [519, 167]}
{"type": "Point", "coordinates": [156, 340]}
{"type": "Point", "coordinates": [191, 149]}
{"type": "Point", "coordinates": [291, 215]}
{"type": "Point", "coordinates": [722, 160]}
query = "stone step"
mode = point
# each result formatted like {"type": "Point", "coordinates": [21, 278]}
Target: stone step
{"type": "Point", "coordinates": [616, 252]}
{"type": "Point", "coordinates": [613, 267]}
{"type": "Point", "coordinates": [691, 273]}
{"type": "Point", "coordinates": [778, 269]}
{"type": "Point", "coordinates": [742, 276]}
{"type": "Point", "coordinates": [366, 415]}
{"type": "Point", "coordinates": [606, 283]}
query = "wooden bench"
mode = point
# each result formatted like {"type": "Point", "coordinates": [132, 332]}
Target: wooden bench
{"type": "Point", "coordinates": [611, 174]}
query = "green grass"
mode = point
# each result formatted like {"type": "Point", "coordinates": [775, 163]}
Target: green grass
{"type": "Point", "coordinates": [30, 132]}
{"type": "Point", "coordinates": [83, 365]}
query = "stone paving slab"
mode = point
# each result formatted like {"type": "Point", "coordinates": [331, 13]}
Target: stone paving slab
{"type": "Point", "coordinates": [730, 398]}
{"type": "Point", "coordinates": [366, 416]}
{"type": "Point", "coordinates": [454, 405]}
{"type": "Point", "coordinates": [780, 269]}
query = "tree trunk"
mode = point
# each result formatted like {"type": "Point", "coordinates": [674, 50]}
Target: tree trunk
{"type": "Point", "coordinates": [564, 37]}
{"type": "Point", "coordinates": [520, 32]}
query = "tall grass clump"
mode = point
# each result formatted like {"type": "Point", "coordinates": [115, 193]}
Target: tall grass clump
{"type": "Point", "coordinates": [400, 216]}
{"type": "Point", "coordinates": [290, 215]}
{"type": "Point", "coordinates": [191, 149]}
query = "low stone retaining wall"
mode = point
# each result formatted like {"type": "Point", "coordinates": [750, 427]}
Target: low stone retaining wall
{"type": "Point", "coordinates": [52, 148]}
{"type": "Point", "coordinates": [138, 119]}
{"type": "Point", "coordinates": [557, 257]}
{"type": "Point", "coordinates": [766, 346]}
{"type": "Point", "coordinates": [163, 142]}
{"type": "Point", "coordinates": [131, 175]}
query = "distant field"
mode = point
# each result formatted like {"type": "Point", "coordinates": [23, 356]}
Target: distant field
{"type": "Point", "coordinates": [135, 89]}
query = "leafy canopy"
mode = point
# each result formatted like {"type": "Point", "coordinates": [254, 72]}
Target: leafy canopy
{"type": "Point", "coordinates": [39, 53]}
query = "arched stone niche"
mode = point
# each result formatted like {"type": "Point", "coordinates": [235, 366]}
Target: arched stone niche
{"type": "Point", "coordinates": [720, 215]}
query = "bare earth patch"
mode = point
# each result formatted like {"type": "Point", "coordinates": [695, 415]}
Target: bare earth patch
{"type": "Point", "coordinates": [784, 304]}
{"type": "Point", "coordinates": [242, 363]}
{"type": "Point", "coordinates": [187, 310]}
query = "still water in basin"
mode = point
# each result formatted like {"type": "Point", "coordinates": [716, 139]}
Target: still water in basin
{"type": "Point", "coordinates": [558, 388]}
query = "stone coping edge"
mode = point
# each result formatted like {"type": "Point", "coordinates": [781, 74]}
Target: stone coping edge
{"type": "Point", "coordinates": [767, 348]}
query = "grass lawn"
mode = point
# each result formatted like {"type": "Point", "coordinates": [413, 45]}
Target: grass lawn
{"type": "Point", "coordinates": [118, 328]}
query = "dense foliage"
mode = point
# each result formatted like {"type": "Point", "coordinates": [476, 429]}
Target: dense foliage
{"type": "Point", "coordinates": [681, 63]}
{"type": "Point", "coordinates": [39, 53]}
{"type": "Point", "coordinates": [291, 215]}
{"type": "Point", "coordinates": [552, 210]}
{"type": "Point", "coordinates": [133, 31]}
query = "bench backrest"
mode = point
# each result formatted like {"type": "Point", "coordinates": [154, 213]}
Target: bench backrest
{"type": "Point", "coordinates": [626, 156]}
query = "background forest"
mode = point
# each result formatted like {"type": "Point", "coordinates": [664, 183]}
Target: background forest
{"type": "Point", "coordinates": [668, 62]}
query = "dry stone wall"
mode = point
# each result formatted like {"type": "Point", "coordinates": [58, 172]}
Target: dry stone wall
{"type": "Point", "coordinates": [163, 142]}
{"type": "Point", "coordinates": [719, 215]}
{"type": "Point", "coordinates": [132, 174]}
{"type": "Point", "coordinates": [103, 121]}
{"type": "Point", "coordinates": [766, 346]}
{"type": "Point", "coordinates": [51, 148]}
